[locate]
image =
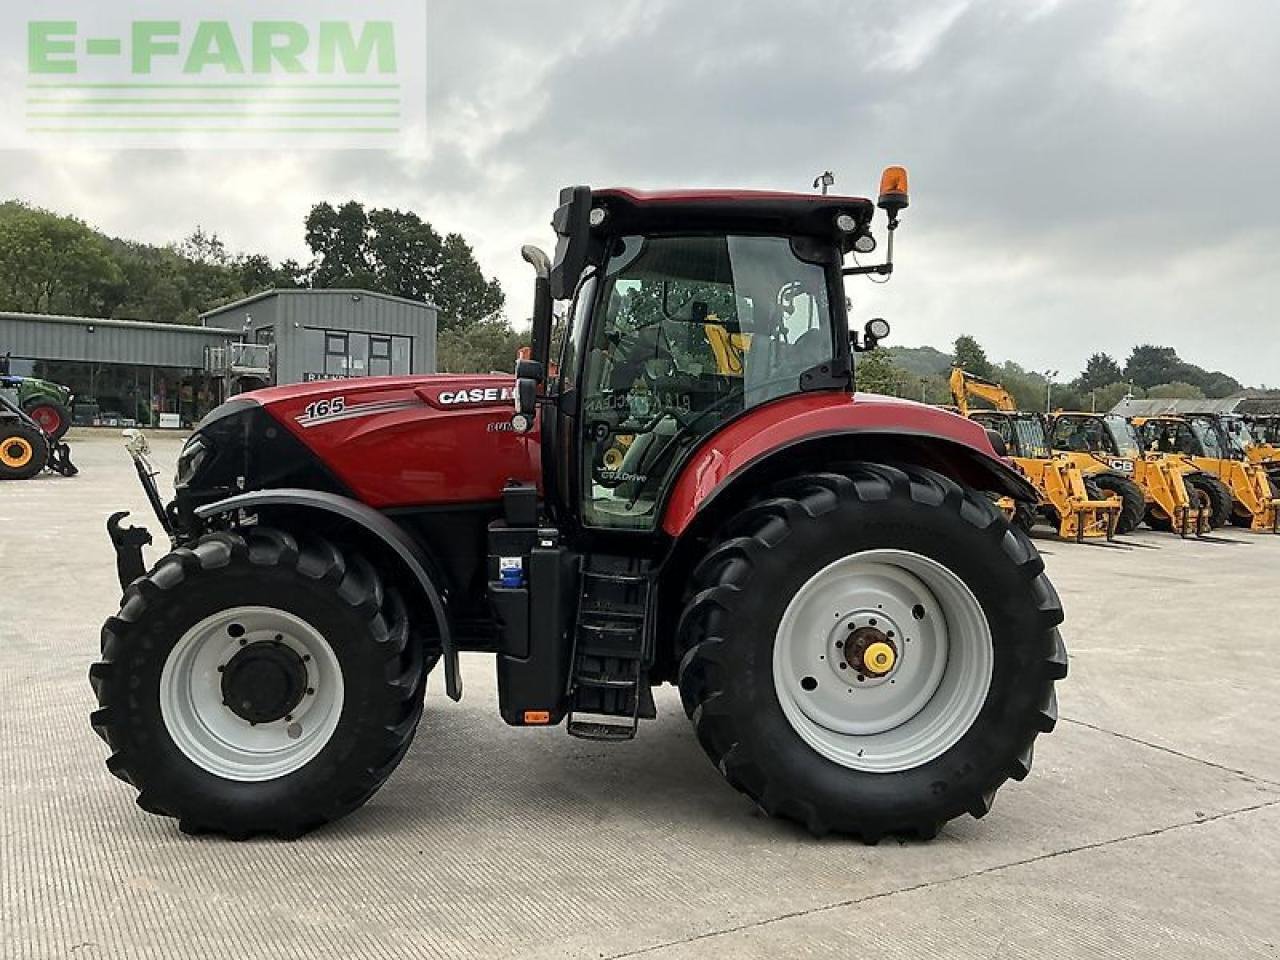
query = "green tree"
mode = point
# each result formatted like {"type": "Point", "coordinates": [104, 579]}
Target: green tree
{"type": "Point", "coordinates": [1176, 390]}
{"type": "Point", "coordinates": [54, 264]}
{"type": "Point", "coordinates": [970, 355]}
{"type": "Point", "coordinates": [339, 242]}
{"type": "Point", "coordinates": [875, 372]}
{"type": "Point", "coordinates": [485, 347]}
{"type": "Point", "coordinates": [397, 252]}
{"type": "Point", "coordinates": [1099, 371]}
{"type": "Point", "coordinates": [1149, 365]}
{"type": "Point", "coordinates": [462, 293]}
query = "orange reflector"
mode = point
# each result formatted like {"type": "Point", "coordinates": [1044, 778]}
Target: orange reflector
{"type": "Point", "coordinates": [537, 717]}
{"type": "Point", "coordinates": [893, 180]}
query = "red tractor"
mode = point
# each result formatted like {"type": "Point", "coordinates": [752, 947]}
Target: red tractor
{"type": "Point", "coordinates": [689, 491]}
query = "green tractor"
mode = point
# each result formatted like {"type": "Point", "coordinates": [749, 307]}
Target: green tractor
{"type": "Point", "coordinates": [45, 402]}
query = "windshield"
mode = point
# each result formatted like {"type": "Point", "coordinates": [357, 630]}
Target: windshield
{"type": "Point", "coordinates": [693, 331]}
{"type": "Point", "coordinates": [1030, 439]}
{"type": "Point", "coordinates": [1124, 436]}
{"type": "Point", "coordinates": [1208, 438]}
{"type": "Point", "coordinates": [1241, 437]}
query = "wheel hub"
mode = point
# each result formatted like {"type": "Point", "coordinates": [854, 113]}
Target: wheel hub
{"type": "Point", "coordinates": [871, 652]}
{"type": "Point", "coordinates": [264, 682]}
{"type": "Point", "coordinates": [882, 660]}
{"type": "Point", "coordinates": [16, 452]}
{"type": "Point", "coordinates": [251, 693]}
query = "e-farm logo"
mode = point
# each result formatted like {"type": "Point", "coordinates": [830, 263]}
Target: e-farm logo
{"type": "Point", "coordinates": [218, 73]}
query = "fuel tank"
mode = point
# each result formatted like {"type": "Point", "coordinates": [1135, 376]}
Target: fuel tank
{"type": "Point", "coordinates": [410, 441]}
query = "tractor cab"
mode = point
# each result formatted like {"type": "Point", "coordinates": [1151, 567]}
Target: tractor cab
{"type": "Point", "coordinates": [685, 310]}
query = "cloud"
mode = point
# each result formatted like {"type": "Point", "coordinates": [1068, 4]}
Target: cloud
{"type": "Point", "coordinates": [1087, 174]}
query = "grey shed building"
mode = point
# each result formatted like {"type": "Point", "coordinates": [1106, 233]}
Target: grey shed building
{"type": "Point", "coordinates": [119, 370]}
{"type": "Point", "coordinates": [124, 370]}
{"type": "Point", "coordinates": [333, 334]}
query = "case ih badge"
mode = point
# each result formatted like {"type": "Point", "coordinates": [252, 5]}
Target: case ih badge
{"type": "Point", "coordinates": [475, 396]}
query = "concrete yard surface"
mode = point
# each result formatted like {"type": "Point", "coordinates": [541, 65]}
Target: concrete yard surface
{"type": "Point", "coordinates": [1150, 826]}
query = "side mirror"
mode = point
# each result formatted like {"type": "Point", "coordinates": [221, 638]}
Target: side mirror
{"type": "Point", "coordinates": [529, 374]}
{"type": "Point", "coordinates": [572, 224]}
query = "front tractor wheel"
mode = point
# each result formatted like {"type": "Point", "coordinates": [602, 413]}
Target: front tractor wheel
{"type": "Point", "coordinates": [257, 683]}
{"type": "Point", "coordinates": [872, 652]}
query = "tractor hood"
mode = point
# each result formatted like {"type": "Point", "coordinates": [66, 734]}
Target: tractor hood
{"type": "Point", "coordinates": [388, 442]}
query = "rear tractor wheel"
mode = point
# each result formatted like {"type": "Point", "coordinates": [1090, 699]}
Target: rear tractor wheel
{"type": "Point", "coordinates": [871, 652]}
{"type": "Point", "coordinates": [52, 417]}
{"type": "Point", "coordinates": [23, 450]}
{"type": "Point", "coordinates": [257, 684]}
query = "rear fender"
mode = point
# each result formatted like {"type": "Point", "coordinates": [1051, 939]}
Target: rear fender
{"type": "Point", "coordinates": [414, 559]}
{"type": "Point", "coordinates": [775, 440]}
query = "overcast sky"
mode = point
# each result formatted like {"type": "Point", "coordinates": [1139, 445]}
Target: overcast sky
{"type": "Point", "coordinates": [1086, 174]}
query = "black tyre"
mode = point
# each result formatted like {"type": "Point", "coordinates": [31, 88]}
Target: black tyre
{"type": "Point", "coordinates": [1156, 520]}
{"type": "Point", "coordinates": [1216, 494]}
{"type": "Point", "coordinates": [23, 450]}
{"type": "Point", "coordinates": [257, 684]}
{"type": "Point", "coordinates": [1135, 503]}
{"type": "Point", "coordinates": [51, 416]}
{"type": "Point", "coordinates": [739, 675]}
{"type": "Point", "coordinates": [1025, 516]}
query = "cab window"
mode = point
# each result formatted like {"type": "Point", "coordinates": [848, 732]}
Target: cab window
{"type": "Point", "coordinates": [691, 332]}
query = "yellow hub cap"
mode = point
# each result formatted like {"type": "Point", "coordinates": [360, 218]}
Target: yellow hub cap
{"type": "Point", "coordinates": [16, 452]}
{"type": "Point", "coordinates": [878, 658]}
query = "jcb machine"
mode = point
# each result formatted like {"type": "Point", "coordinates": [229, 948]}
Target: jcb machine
{"type": "Point", "coordinates": [1202, 439]}
{"type": "Point", "coordinates": [1076, 505]}
{"type": "Point", "coordinates": [1169, 497]}
{"type": "Point", "coordinates": [860, 640]}
{"type": "Point", "coordinates": [1259, 438]}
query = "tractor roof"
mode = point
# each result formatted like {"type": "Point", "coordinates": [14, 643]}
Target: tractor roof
{"type": "Point", "coordinates": [756, 211]}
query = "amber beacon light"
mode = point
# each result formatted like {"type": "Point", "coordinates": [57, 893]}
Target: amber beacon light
{"type": "Point", "coordinates": [893, 191]}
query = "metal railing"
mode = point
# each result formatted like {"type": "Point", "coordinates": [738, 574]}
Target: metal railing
{"type": "Point", "coordinates": [239, 358]}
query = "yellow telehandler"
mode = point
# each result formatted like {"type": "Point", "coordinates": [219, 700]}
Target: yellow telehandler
{"type": "Point", "coordinates": [1170, 494]}
{"type": "Point", "coordinates": [1203, 440]}
{"type": "Point", "coordinates": [1259, 437]}
{"type": "Point", "coordinates": [1072, 502]}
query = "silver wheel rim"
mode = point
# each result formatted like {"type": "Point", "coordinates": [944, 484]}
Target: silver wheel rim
{"type": "Point", "coordinates": [938, 682]}
{"type": "Point", "coordinates": [215, 738]}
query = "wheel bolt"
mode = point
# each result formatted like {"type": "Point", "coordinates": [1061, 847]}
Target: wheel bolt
{"type": "Point", "coordinates": [243, 641]}
{"type": "Point", "coordinates": [311, 691]}
{"type": "Point", "coordinates": [222, 667]}
{"type": "Point", "coordinates": [306, 658]}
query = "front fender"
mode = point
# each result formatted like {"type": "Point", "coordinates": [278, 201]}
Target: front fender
{"type": "Point", "coordinates": [879, 426]}
{"type": "Point", "coordinates": [386, 530]}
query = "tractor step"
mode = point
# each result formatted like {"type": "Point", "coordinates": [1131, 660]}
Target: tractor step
{"type": "Point", "coordinates": [609, 686]}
